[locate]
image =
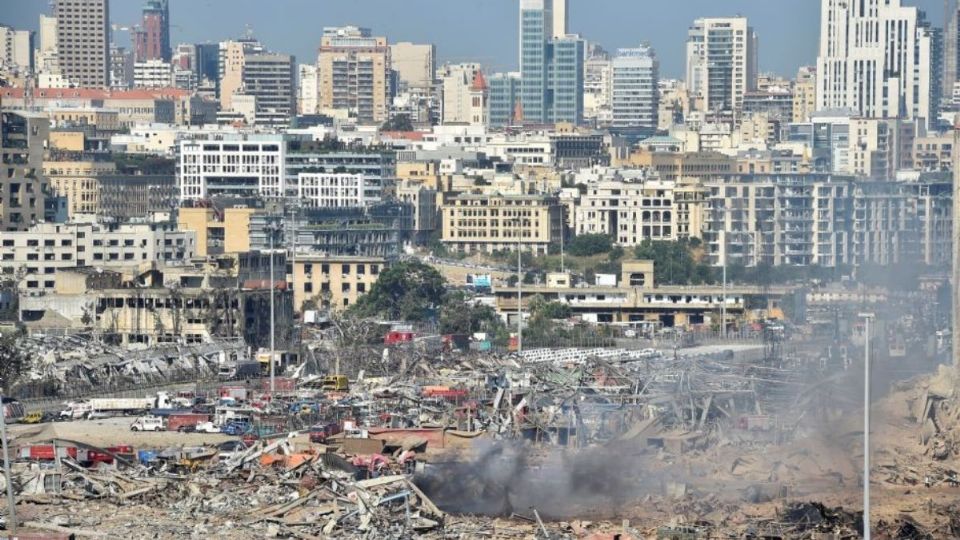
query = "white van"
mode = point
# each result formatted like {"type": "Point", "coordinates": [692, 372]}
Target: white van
{"type": "Point", "coordinates": [147, 423]}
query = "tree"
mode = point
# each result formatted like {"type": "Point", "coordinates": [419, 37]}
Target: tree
{"type": "Point", "coordinates": [400, 122]}
{"type": "Point", "coordinates": [586, 245]}
{"type": "Point", "coordinates": [409, 291]}
{"type": "Point", "coordinates": [674, 264]}
{"type": "Point", "coordinates": [13, 361]}
{"type": "Point", "coordinates": [460, 316]}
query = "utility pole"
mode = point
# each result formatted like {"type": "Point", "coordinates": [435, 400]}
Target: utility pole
{"type": "Point", "coordinates": [519, 289]}
{"type": "Point", "coordinates": [11, 502]}
{"type": "Point", "coordinates": [723, 287]}
{"type": "Point", "coordinates": [867, 317]}
{"type": "Point", "coordinates": [273, 349]}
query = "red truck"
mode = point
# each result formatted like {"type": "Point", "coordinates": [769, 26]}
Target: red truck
{"type": "Point", "coordinates": [44, 452]}
{"type": "Point", "coordinates": [185, 421]}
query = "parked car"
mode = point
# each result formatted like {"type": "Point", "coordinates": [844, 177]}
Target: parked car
{"type": "Point", "coordinates": [229, 449]}
{"type": "Point", "coordinates": [206, 427]}
{"type": "Point", "coordinates": [147, 423]}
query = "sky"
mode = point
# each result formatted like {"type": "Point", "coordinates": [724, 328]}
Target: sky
{"type": "Point", "coordinates": [479, 30]}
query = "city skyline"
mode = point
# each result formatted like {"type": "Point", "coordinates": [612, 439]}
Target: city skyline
{"type": "Point", "coordinates": [787, 30]}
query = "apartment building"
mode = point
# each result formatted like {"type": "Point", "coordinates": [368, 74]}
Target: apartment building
{"type": "Point", "coordinates": [22, 184]}
{"type": "Point", "coordinates": [153, 73]}
{"type": "Point", "coordinates": [271, 79]}
{"type": "Point", "coordinates": [495, 222]}
{"type": "Point", "coordinates": [354, 71]}
{"type": "Point", "coordinates": [83, 42]}
{"type": "Point", "coordinates": [721, 63]}
{"type": "Point", "coordinates": [634, 90]}
{"type": "Point", "coordinates": [333, 282]}
{"type": "Point", "coordinates": [780, 220]}
{"type": "Point", "coordinates": [628, 212]}
{"type": "Point", "coordinates": [933, 153]}
{"type": "Point", "coordinates": [35, 255]}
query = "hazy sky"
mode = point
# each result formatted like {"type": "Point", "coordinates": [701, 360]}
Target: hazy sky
{"type": "Point", "coordinates": [479, 30]}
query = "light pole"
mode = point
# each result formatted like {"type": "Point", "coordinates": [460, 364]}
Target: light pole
{"type": "Point", "coordinates": [272, 230]}
{"type": "Point", "coordinates": [867, 317]}
{"type": "Point", "coordinates": [519, 287]}
{"type": "Point", "coordinates": [11, 502]}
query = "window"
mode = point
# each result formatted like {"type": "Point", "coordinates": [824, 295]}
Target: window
{"type": "Point", "coordinates": [324, 268]}
{"type": "Point", "coordinates": [325, 287]}
{"type": "Point", "coordinates": [8, 243]}
{"type": "Point", "coordinates": [374, 269]}
{"type": "Point", "coordinates": [361, 269]}
{"type": "Point", "coordinates": [49, 243]}
{"type": "Point", "coordinates": [361, 287]}
{"type": "Point", "coordinates": [33, 257]}
{"type": "Point", "coordinates": [345, 268]}
{"type": "Point", "coordinates": [345, 287]}
{"type": "Point", "coordinates": [308, 287]}
{"type": "Point", "coordinates": [48, 284]}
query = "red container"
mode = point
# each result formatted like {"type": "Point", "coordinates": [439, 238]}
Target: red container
{"type": "Point", "coordinates": [177, 421]}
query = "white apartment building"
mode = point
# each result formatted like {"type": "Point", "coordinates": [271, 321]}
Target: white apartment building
{"type": "Point", "coordinates": [338, 190]}
{"type": "Point", "coordinates": [152, 74]}
{"type": "Point", "coordinates": [248, 165]}
{"type": "Point", "coordinates": [876, 57]}
{"type": "Point", "coordinates": [33, 256]}
{"type": "Point", "coordinates": [721, 63]}
{"type": "Point", "coordinates": [598, 89]}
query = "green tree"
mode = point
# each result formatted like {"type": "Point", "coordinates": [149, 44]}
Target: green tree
{"type": "Point", "coordinates": [409, 291]}
{"type": "Point", "coordinates": [674, 264]}
{"type": "Point", "coordinates": [458, 315]}
{"type": "Point", "coordinates": [585, 245]}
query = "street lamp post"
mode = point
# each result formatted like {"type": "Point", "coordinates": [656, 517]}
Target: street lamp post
{"type": "Point", "coordinates": [519, 288]}
{"type": "Point", "coordinates": [867, 317]}
{"type": "Point", "coordinates": [11, 502]}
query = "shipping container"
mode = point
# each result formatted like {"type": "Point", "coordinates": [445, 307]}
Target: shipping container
{"type": "Point", "coordinates": [183, 420]}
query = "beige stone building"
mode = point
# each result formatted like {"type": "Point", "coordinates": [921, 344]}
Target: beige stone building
{"type": "Point", "coordinates": [933, 153]}
{"type": "Point", "coordinates": [101, 119]}
{"type": "Point", "coordinates": [333, 282]}
{"type": "Point", "coordinates": [494, 222]}
{"type": "Point", "coordinates": [354, 74]}
{"type": "Point", "coordinates": [805, 94]}
{"type": "Point", "coordinates": [77, 181]}
{"type": "Point", "coordinates": [218, 231]}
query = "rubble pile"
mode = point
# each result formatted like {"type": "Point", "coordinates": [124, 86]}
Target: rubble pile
{"type": "Point", "coordinates": [269, 490]}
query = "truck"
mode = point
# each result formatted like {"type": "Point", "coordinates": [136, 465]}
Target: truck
{"type": "Point", "coordinates": [113, 406]}
{"type": "Point", "coordinates": [147, 423]}
{"type": "Point", "coordinates": [12, 409]}
{"type": "Point", "coordinates": [240, 370]}
{"type": "Point", "coordinates": [185, 421]}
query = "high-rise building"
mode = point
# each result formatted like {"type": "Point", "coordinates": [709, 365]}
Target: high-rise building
{"type": "Point", "coordinates": [415, 65]}
{"type": "Point", "coordinates": [503, 99]}
{"type": "Point", "coordinates": [208, 58]}
{"type": "Point", "coordinates": [354, 73]}
{"type": "Point", "coordinates": [231, 58]}
{"type": "Point", "coordinates": [271, 79]}
{"type": "Point", "coordinates": [45, 58]}
{"type": "Point", "coordinates": [22, 140]}
{"type": "Point", "coordinates": [152, 40]}
{"type": "Point", "coordinates": [16, 49]}
{"type": "Point", "coordinates": [877, 58]}
{"type": "Point", "coordinates": [636, 75]}
{"type": "Point", "coordinates": [951, 45]}
{"type": "Point", "coordinates": [83, 41]}
{"type": "Point", "coordinates": [597, 85]}
{"type": "Point", "coordinates": [551, 64]}
{"type": "Point", "coordinates": [566, 79]}
{"type": "Point", "coordinates": [721, 63]}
